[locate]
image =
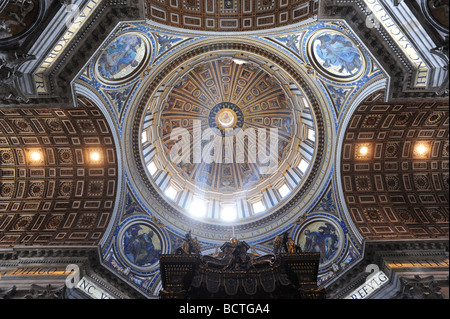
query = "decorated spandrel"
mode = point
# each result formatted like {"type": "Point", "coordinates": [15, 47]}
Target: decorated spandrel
{"type": "Point", "coordinates": [336, 56]}
{"type": "Point", "coordinates": [141, 245]}
{"type": "Point", "coordinates": [122, 57]}
{"type": "Point", "coordinates": [321, 237]}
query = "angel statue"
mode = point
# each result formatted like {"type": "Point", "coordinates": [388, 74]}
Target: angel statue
{"type": "Point", "coordinates": [285, 244]}
{"type": "Point", "coordinates": [189, 245]}
{"type": "Point", "coordinates": [277, 245]}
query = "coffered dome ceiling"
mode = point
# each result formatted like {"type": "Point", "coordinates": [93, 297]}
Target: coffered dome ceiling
{"type": "Point", "coordinates": [226, 131]}
{"type": "Point", "coordinates": [231, 139]}
{"type": "Point", "coordinates": [238, 97]}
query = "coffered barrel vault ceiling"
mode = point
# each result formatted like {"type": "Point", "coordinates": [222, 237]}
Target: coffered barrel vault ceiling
{"type": "Point", "coordinates": [230, 15]}
{"type": "Point", "coordinates": [53, 190]}
{"type": "Point", "coordinates": [399, 188]}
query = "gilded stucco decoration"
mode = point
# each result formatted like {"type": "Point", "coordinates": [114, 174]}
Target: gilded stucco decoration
{"type": "Point", "coordinates": [399, 188]}
{"type": "Point", "coordinates": [231, 85]}
{"type": "Point", "coordinates": [51, 191]}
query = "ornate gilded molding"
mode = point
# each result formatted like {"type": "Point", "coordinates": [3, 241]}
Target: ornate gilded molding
{"type": "Point", "coordinates": [230, 15]}
{"type": "Point", "coordinates": [179, 60]}
{"type": "Point", "coordinates": [387, 51]}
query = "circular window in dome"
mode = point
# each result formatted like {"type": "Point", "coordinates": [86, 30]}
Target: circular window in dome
{"type": "Point", "coordinates": [226, 118]}
{"type": "Point", "coordinates": [123, 57]}
{"type": "Point", "coordinates": [335, 55]}
{"type": "Point", "coordinates": [228, 140]}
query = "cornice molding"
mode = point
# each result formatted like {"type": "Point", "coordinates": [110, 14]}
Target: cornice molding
{"type": "Point", "coordinates": [87, 258]}
{"type": "Point", "coordinates": [383, 48]}
{"type": "Point", "coordinates": [375, 252]}
{"type": "Point", "coordinates": [80, 49]}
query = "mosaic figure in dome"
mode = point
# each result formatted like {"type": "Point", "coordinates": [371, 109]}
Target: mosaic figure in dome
{"type": "Point", "coordinates": [121, 57]}
{"type": "Point", "coordinates": [141, 246]}
{"type": "Point", "coordinates": [320, 237]}
{"type": "Point", "coordinates": [337, 54]}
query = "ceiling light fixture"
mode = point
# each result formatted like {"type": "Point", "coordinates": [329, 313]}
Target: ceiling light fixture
{"type": "Point", "coordinates": [363, 150]}
{"type": "Point", "coordinates": [35, 156]}
{"type": "Point", "coordinates": [95, 156]}
{"type": "Point", "coordinates": [421, 149]}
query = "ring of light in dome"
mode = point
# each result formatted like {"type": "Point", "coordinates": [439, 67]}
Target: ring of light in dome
{"type": "Point", "coordinates": [180, 81]}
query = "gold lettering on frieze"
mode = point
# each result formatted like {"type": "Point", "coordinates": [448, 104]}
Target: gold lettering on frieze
{"type": "Point", "coordinates": [78, 21]}
{"type": "Point", "coordinates": [92, 289]}
{"type": "Point", "coordinates": [34, 271]}
{"type": "Point", "coordinates": [373, 283]}
{"type": "Point", "coordinates": [380, 13]}
{"type": "Point", "coordinates": [422, 263]}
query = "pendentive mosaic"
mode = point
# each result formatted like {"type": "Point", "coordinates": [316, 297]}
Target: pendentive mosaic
{"type": "Point", "coordinates": [341, 68]}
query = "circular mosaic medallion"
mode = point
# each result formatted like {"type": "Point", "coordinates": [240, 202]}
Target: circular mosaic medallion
{"type": "Point", "coordinates": [19, 17]}
{"type": "Point", "coordinates": [336, 56]}
{"type": "Point", "coordinates": [322, 236]}
{"type": "Point", "coordinates": [141, 244]}
{"type": "Point", "coordinates": [226, 118]}
{"type": "Point", "coordinates": [123, 58]}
